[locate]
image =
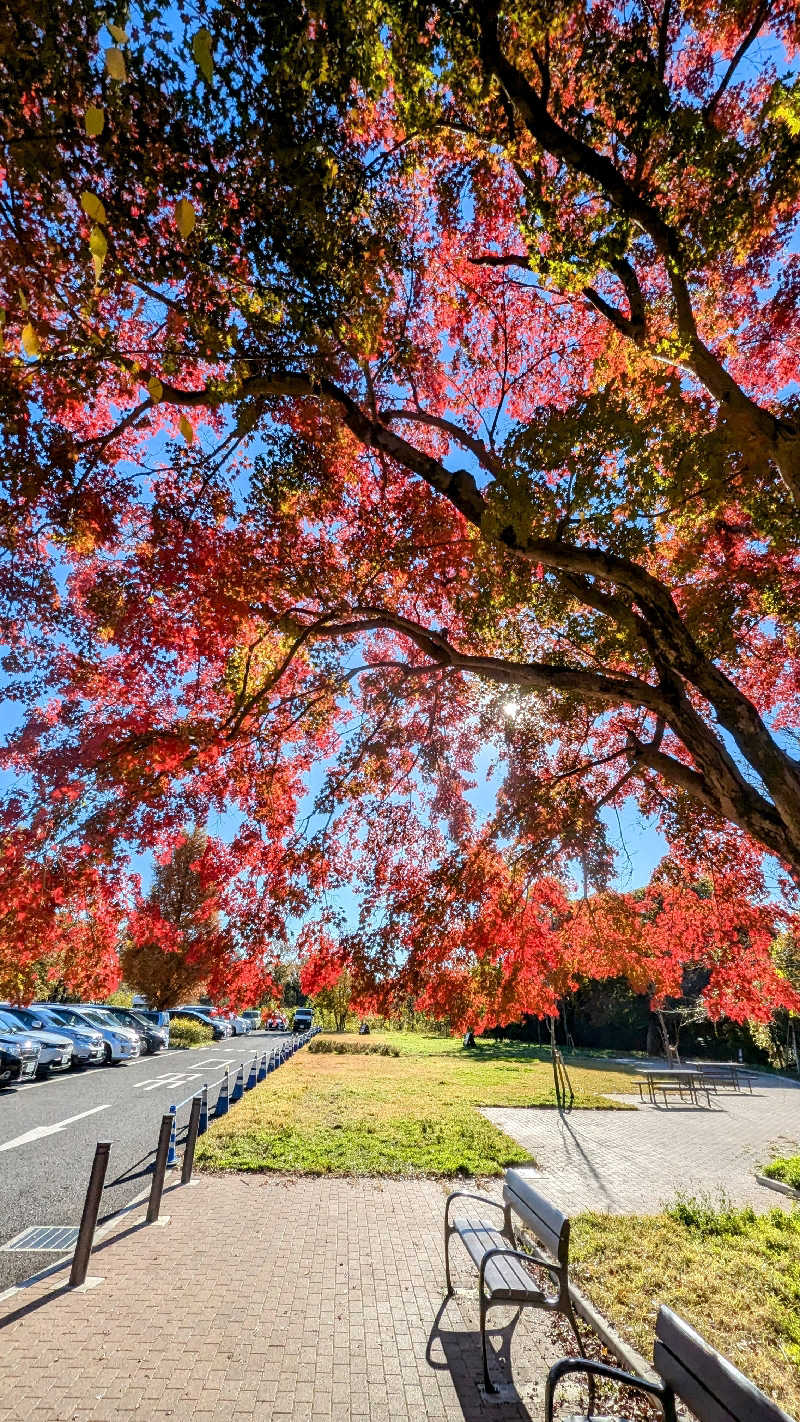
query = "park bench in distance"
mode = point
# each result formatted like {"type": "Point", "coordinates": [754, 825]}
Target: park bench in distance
{"type": "Point", "coordinates": [504, 1275]}
{"type": "Point", "coordinates": [725, 1074]}
{"type": "Point", "coordinates": [690, 1370]}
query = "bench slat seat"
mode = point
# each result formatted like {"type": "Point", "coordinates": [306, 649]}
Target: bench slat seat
{"type": "Point", "coordinates": [505, 1277]}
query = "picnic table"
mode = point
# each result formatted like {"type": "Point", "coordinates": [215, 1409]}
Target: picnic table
{"type": "Point", "coordinates": [685, 1081]}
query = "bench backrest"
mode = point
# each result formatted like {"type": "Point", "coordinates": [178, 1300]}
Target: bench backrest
{"type": "Point", "coordinates": [550, 1227]}
{"type": "Point", "coordinates": [711, 1387]}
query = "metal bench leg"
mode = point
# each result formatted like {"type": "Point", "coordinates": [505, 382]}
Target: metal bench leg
{"type": "Point", "coordinates": [487, 1382]}
{"type": "Point", "coordinates": [447, 1233]}
{"type": "Point", "coordinates": [573, 1323]}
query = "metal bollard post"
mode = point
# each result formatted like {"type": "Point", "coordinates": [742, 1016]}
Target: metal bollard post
{"type": "Point", "coordinates": [224, 1095]}
{"type": "Point", "coordinates": [159, 1169]}
{"type": "Point", "coordinates": [262, 1067]}
{"type": "Point", "coordinates": [253, 1077]}
{"type": "Point", "coordinates": [172, 1154]}
{"type": "Point", "coordinates": [191, 1140]}
{"type": "Point", "coordinates": [91, 1206]}
{"type": "Point", "coordinates": [238, 1085]}
{"type": "Point", "coordinates": [203, 1110]}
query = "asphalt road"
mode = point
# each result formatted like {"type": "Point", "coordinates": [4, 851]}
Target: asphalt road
{"type": "Point", "coordinates": [49, 1129]}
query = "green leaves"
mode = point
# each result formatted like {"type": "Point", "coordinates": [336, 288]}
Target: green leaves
{"type": "Point", "coordinates": [202, 51]}
{"type": "Point", "coordinates": [93, 207]}
{"type": "Point", "coordinates": [115, 65]}
{"type": "Point", "coordinates": [98, 246]}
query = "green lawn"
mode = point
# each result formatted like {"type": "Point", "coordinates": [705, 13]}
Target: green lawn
{"type": "Point", "coordinates": [733, 1274]}
{"type": "Point", "coordinates": [413, 1114]}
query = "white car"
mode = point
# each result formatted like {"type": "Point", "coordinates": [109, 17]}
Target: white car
{"type": "Point", "coordinates": [87, 1047]}
{"type": "Point", "coordinates": [120, 1044]}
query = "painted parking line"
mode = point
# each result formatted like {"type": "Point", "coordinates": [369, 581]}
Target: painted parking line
{"type": "Point", "coordinates": [39, 1132]}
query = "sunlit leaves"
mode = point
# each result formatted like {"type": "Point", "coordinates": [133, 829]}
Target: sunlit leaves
{"type": "Point", "coordinates": [94, 121]}
{"type": "Point", "coordinates": [155, 389]}
{"type": "Point", "coordinates": [115, 65]}
{"type": "Point", "coordinates": [186, 429]}
{"type": "Point", "coordinates": [93, 207]}
{"type": "Point", "coordinates": [185, 217]}
{"type": "Point", "coordinates": [30, 341]}
{"type": "Point", "coordinates": [98, 246]}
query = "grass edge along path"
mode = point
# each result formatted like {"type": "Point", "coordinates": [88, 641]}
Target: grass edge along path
{"type": "Point", "coordinates": [786, 1169]}
{"type": "Point", "coordinates": [733, 1274]}
{"type": "Point", "coordinates": [412, 1114]}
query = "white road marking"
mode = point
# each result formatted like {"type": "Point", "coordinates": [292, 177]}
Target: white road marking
{"type": "Point", "coordinates": [39, 1132]}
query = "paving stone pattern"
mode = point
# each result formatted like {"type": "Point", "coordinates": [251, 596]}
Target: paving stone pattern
{"type": "Point", "coordinates": [273, 1298]}
{"type": "Point", "coordinates": [636, 1162]}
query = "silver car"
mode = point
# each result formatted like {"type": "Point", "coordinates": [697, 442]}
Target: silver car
{"type": "Point", "coordinates": [55, 1050]}
{"type": "Point", "coordinates": [119, 1044]}
{"type": "Point", "coordinates": [88, 1047]}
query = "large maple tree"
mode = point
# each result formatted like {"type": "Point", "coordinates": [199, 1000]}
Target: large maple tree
{"type": "Point", "coordinates": [383, 383]}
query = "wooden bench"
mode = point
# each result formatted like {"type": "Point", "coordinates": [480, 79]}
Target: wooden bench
{"type": "Point", "coordinates": [689, 1370]}
{"type": "Point", "coordinates": [504, 1270]}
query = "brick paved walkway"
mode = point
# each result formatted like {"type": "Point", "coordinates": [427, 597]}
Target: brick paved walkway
{"type": "Point", "coordinates": [635, 1162]}
{"type": "Point", "coordinates": [268, 1298]}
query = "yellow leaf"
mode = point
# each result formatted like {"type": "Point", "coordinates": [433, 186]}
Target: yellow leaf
{"type": "Point", "coordinates": [115, 64]}
{"type": "Point", "coordinates": [186, 429]}
{"type": "Point", "coordinates": [94, 121]}
{"type": "Point", "coordinates": [201, 49]}
{"type": "Point", "coordinates": [93, 207]}
{"type": "Point", "coordinates": [155, 389]}
{"type": "Point", "coordinates": [118, 33]}
{"type": "Point", "coordinates": [23, 300]}
{"type": "Point", "coordinates": [185, 217]}
{"type": "Point", "coordinates": [30, 341]}
{"type": "Point", "coordinates": [98, 246]}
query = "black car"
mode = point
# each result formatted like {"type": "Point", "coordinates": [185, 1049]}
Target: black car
{"type": "Point", "coordinates": [176, 1013]}
{"type": "Point", "coordinates": [152, 1038]}
{"type": "Point", "coordinates": [10, 1067]}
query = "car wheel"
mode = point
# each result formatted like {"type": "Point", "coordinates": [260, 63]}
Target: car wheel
{"type": "Point", "coordinates": [109, 1055]}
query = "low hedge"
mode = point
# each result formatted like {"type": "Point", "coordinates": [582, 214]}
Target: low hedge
{"type": "Point", "coordinates": [184, 1032]}
{"type": "Point", "coordinates": [356, 1049]}
{"type": "Point", "coordinates": [786, 1170]}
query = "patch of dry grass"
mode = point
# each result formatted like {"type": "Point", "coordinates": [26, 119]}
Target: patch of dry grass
{"type": "Point", "coordinates": [734, 1275]}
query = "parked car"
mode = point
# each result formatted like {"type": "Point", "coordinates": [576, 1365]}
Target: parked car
{"type": "Point", "coordinates": [301, 1022]}
{"type": "Point", "coordinates": [19, 1055]}
{"type": "Point", "coordinates": [55, 1050]}
{"type": "Point", "coordinates": [87, 1045]}
{"type": "Point", "coordinates": [276, 1022]}
{"type": "Point", "coordinates": [253, 1016]}
{"type": "Point", "coordinates": [119, 1044]}
{"type": "Point", "coordinates": [153, 1015]}
{"type": "Point", "coordinates": [151, 1038]}
{"type": "Point", "coordinates": [219, 1028]}
{"type": "Point", "coordinates": [211, 1014]}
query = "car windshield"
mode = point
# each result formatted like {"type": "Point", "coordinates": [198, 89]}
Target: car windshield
{"type": "Point", "coordinates": [7, 1024]}
{"type": "Point", "coordinates": [96, 1014]}
{"type": "Point", "coordinates": [30, 1019]}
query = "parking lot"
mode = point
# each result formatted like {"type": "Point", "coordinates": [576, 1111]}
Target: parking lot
{"type": "Point", "coordinates": [49, 1129]}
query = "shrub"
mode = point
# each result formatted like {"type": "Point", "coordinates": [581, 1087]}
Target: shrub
{"type": "Point", "coordinates": [358, 1049]}
{"type": "Point", "coordinates": [704, 1218]}
{"type": "Point", "coordinates": [786, 1169]}
{"type": "Point", "coordinates": [183, 1032]}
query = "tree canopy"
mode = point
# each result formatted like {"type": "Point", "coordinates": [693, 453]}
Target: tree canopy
{"type": "Point", "coordinates": [383, 384]}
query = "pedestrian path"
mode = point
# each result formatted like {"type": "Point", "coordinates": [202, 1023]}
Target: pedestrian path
{"type": "Point", "coordinates": [635, 1162]}
{"type": "Point", "coordinates": [266, 1297]}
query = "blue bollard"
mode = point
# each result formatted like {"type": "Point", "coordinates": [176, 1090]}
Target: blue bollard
{"type": "Point", "coordinates": [238, 1086]}
{"type": "Point", "coordinates": [262, 1067]}
{"type": "Point", "coordinates": [253, 1077]}
{"type": "Point", "coordinates": [203, 1126]}
{"type": "Point", "coordinates": [224, 1095]}
{"type": "Point", "coordinates": [172, 1154]}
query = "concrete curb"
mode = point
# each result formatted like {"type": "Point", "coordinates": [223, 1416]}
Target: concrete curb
{"type": "Point", "coordinates": [627, 1355]}
{"type": "Point", "coordinates": [779, 1185]}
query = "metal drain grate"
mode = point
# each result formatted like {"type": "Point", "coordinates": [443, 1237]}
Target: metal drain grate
{"type": "Point", "coordinates": [43, 1238]}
